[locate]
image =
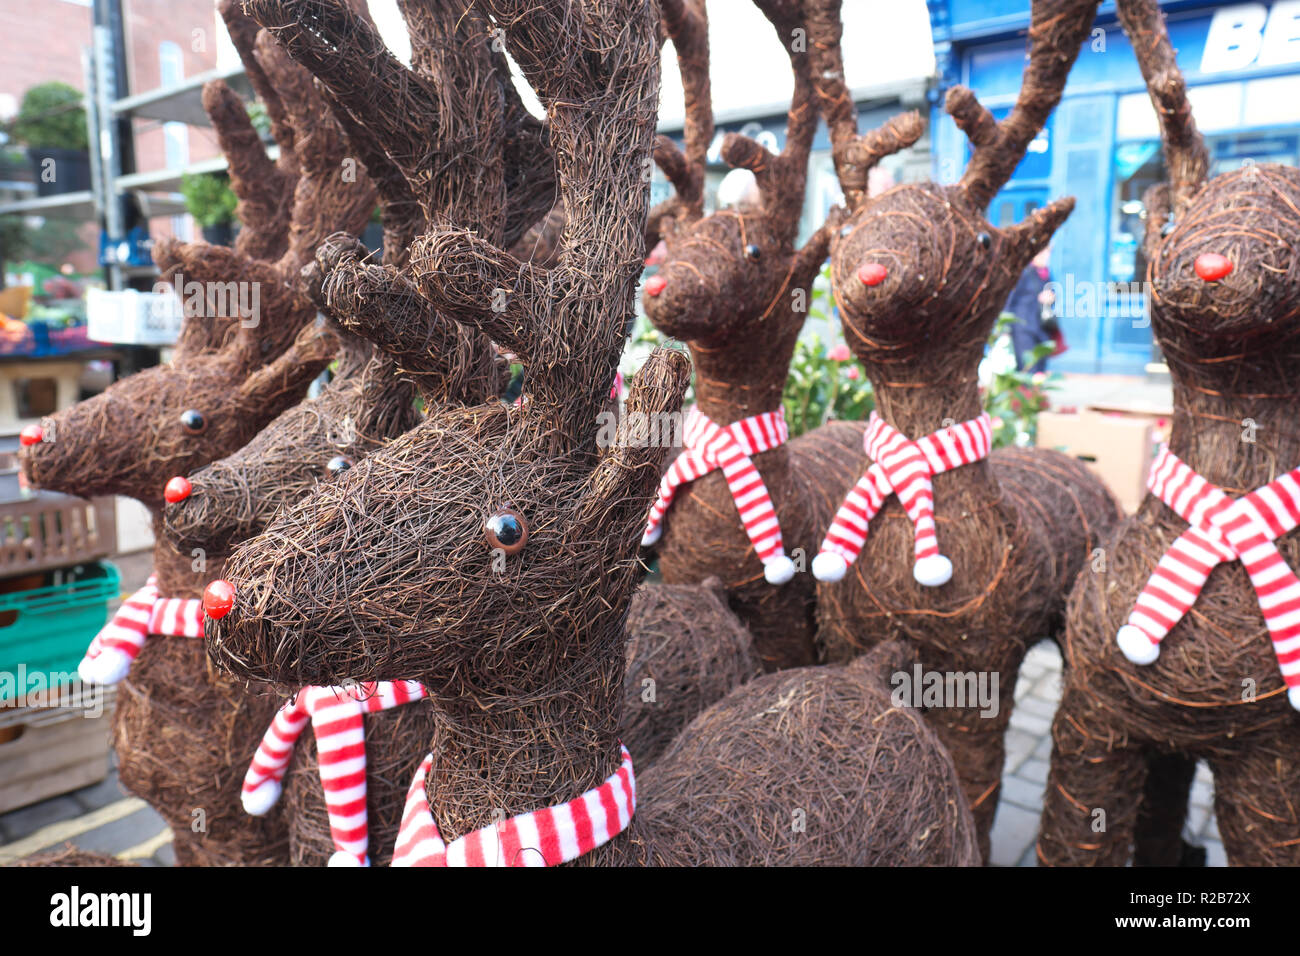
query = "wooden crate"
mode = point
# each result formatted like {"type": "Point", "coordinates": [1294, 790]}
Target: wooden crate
{"type": "Point", "coordinates": [49, 750]}
{"type": "Point", "coordinates": [51, 530]}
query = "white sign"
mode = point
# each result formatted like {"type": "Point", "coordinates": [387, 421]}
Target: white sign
{"type": "Point", "coordinates": [1252, 34]}
{"type": "Point", "coordinates": [133, 318]}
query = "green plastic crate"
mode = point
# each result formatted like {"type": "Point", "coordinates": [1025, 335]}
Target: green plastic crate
{"type": "Point", "coordinates": [49, 628]}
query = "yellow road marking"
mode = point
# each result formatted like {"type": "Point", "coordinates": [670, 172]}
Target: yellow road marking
{"type": "Point", "coordinates": [55, 833]}
{"type": "Point", "coordinates": [146, 849]}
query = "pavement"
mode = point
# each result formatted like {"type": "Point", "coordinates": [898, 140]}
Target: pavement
{"type": "Point", "coordinates": [103, 817]}
{"type": "Point", "coordinates": [1024, 776]}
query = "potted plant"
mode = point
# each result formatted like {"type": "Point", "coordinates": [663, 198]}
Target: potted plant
{"type": "Point", "coordinates": [51, 123]}
{"type": "Point", "coordinates": [209, 200]}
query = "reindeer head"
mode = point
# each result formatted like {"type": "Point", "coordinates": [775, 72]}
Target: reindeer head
{"type": "Point", "coordinates": [164, 421]}
{"type": "Point", "coordinates": [1221, 253]}
{"type": "Point", "coordinates": [232, 372]}
{"type": "Point", "coordinates": [491, 546]}
{"type": "Point", "coordinates": [235, 497]}
{"type": "Point", "coordinates": [919, 270]}
{"type": "Point", "coordinates": [478, 568]}
{"type": "Point", "coordinates": [1224, 277]}
{"type": "Point", "coordinates": [730, 274]}
{"type": "Point", "coordinates": [370, 399]}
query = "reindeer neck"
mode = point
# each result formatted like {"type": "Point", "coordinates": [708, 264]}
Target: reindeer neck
{"type": "Point", "coordinates": [739, 380]}
{"type": "Point", "coordinates": [498, 754]}
{"type": "Point", "coordinates": [917, 405]}
{"type": "Point", "coordinates": [1237, 442]}
{"type": "Point", "coordinates": [175, 570]}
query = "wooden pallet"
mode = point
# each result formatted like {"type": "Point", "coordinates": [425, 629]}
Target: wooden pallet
{"type": "Point", "coordinates": [50, 748]}
{"type": "Point", "coordinates": [51, 530]}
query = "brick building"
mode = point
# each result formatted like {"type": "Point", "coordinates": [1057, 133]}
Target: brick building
{"type": "Point", "coordinates": [167, 41]}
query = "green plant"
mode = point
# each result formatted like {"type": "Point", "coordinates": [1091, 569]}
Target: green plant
{"type": "Point", "coordinates": [51, 116]}
{"type": "Point", "coordinates": [208, 199]}
{"type": "Point", "coordinates": [825, 384]}
{"type": "Point", "coordinates": [1014, 398]}
{"type": "Point", "coordinates": [825, 381]}
{"type": "Point", "coordinates": [260, 119]}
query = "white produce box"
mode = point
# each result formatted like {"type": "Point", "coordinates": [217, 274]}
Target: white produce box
{"type": "Point", "coordinates": [128, 317]}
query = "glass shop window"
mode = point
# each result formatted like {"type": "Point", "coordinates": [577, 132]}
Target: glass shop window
{"type": "Point", "coordinates": [1140, 165]}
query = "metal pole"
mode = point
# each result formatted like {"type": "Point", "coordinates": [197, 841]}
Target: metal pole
{"type": "Point", "coordinates": [93, 126]}
{"type": "Point", "coordinates": [108, 144]}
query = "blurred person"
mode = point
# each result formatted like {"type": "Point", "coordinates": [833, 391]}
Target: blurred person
{"type": "Point", "coordinates": [1031, 303]}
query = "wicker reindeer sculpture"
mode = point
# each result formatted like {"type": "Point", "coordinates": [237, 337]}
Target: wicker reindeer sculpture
{"type": "Point", "coordinates": [966, 555]}
{"type": "Point", "coordinates": [183, 733]}
{"type": "Point", "coordinates": [1189, 643]}
{"type": "Point", "coordinates": [492, 551]}
{"type": "Point", "coordinates": [742, 502]}
{"type": "Point", "coordinates": [369, 402]}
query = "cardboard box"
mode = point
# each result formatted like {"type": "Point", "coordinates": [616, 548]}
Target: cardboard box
{"type": "Point", "coordinates": [1116, 448]}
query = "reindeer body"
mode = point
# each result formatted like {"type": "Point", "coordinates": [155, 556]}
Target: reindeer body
{"type": "Point", "coordinates": [920, 275]}
{"type": "Point", "coordinates": [173, 692]}
{"type": "Point", "coordinates": [1223, 303]}
{"type": "Point", "coordinates": [1015, 555]}
{"type": "Point", "coordinates": [736, 290]}
{"type": "Point", "coordinates": [184, 732]}
{"type": "Point", "coordinates": [498, 544]}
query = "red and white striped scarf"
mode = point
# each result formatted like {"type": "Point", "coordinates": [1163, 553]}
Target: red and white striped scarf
{"type": "Point", "coordinates": [545, 837]}
{"type": "Point", "coordinates": [904, 468]}
{"type": "Point", "coordinates": [337, 718]}
{"type": "Point", "coordinates": [709, 447]}
{"type": "Point", "coordinates": [120, 641]}
{"type": "Point", "coordinates": [1220, 529]}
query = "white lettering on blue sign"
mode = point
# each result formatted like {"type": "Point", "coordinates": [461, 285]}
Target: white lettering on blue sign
{"type": "Point", "coordinates": [1252, 34]}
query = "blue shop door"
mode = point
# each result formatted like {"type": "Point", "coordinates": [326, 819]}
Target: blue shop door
{"type": "Point", "coordinates": [1015, 203]}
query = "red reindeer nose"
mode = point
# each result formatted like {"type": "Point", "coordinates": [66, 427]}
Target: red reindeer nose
{"type": "Point", "coordinates": [872, 273]}
{"type": "Point", "coordinates": [655, 284]}
{"type": "Point", "coordinates": [31, 435]}
{"type": "Point", "coordinates": [178, 489]}
{"type": "Point", "coordinates": [218, 599]}
{"type": "Point", "coordinates": [1212, 267]}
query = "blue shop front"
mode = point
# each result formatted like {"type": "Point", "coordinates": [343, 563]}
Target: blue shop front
{"type": "Point", "coordinates": [1102, 145]}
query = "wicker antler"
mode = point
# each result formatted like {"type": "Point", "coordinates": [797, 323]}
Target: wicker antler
{"type": "Point", "coordinates": [1186, 157]}
{"type": "Point", "coordinates": [1056, 34]}
{"type": "Point", "coordinates": [287, 207]}
{"type": "Point", "coordinates": [447, 136]}
{"type": "Point", "coordinates": [686, 23]}
{"type": "Point", "coordinates": [781, 178]}
{"type": "Point", "coordinates": [854, 155]}
{"type": "Point", "coordinates": [560, 321]}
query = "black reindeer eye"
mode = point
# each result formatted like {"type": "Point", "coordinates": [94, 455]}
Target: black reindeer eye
{"type": "Point", "coordinates": [339, 463]}
{"type": "Point", "coordinates": [753, 253]}
{"type": "Point", "coordinates": [1167, 228]}
{"type": "Point", "coordinates": [846, 231]}
{"type": "Point", "coordinates": [984, 239]}
{"type": "Point", "coordinates": [193, 422]}
{"type": "Point", "coordinates": [506, 531]}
